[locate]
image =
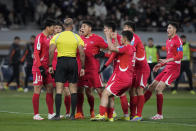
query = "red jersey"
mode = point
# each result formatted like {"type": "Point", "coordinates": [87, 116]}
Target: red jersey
{"type": "Point", "coordinates": [141, 61]}
{"type": "Point", "coordinates": [92, 47]}
{"type": "Point", "coordinates": [112, 56]}
{"type": "Point", "coordinates": [125, 57]}
{"type": "Point", "coordinates": [41, 52]}
{"type": "Point", "coordinates": [174, 50]}
{"type": "Point", "coordinates": [54, 61]}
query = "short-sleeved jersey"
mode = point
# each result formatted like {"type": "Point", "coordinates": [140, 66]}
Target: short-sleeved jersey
{"type": "Point", "coordinates": [141, 61]}
{"type": "Point", "coordinates": [67, 43]}
{"type": "Point", "coordinates": [54, 61]}
{"type": "Point", "coordinates": [125, 57]}
{"type": "Point", "coordinates": [41, 52]}
{"type": "Point", "coordinates": [174, 50]}
{"type": "Point", "coordinates": [92, 47]}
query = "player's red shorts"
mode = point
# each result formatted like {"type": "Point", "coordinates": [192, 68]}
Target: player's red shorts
{"type": "Point", "coordinates": [119, 83]}
{"type": "Point", "coordinates": [92, 79]}
{"type": "Point", "coordinates": [141, 76]}
{"type": "Point", "coordinates": [83, 81]}
{"type": "Point", "coordinates": [168, 76]}
{"type": "Point", "coordinates": [38, 80]}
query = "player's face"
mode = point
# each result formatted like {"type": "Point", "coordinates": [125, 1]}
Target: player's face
{"type": "Point", "coordinates": [85, 29]}
{"type": "Point", "coordinates": [51, 30]}
{"type": "Point", "coordinates": [171, 31]}
{"type": "Point", "coordinates": [127, 28]}
{"type": "Point", "coordinates": [150, 43]}
{"type": "Point", "coordinates": [17, 41]}
{"type": "Point", "coordinates": [57, 29]}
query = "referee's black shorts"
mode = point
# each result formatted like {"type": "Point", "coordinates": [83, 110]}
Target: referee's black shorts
{"type": "Point", "coordinates": [66, 70]}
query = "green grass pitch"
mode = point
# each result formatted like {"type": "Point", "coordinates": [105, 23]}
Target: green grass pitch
{"type": "Point", "coordinates": [16, 114]}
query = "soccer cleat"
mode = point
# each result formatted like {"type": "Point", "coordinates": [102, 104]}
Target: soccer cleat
{"type": "Point", "coordinates": [174, 92]}
{"type": "Point", "coordinates": [37, 117]}
{"type": "Point", "coordinates": [55, 118]}
{"type": "Point", "coordinates": [26, 90]}
{"type": "Point", "coordinates": [92, 114]}
{"type": "Point", "coordinates": [157, 117]}
{"type": "Point", "coordinates": [67, 116]}
{"type": "Point", "coordinates": [192, 92]}
{"type": "Point", "coordinates": [6, 87]}
{"type": "Point", "coordinates": [20, 89]}
{"type": "Point", "coordinates": [131, 117]}
{"type": "Point", "coordinates": [136, 118]}
{"type": "Point", "coordinates": [72, 117]}
{"type": "Point", "coordinates": [79, 115]}
{"type": "Point", "coordinates": [111, 119]}
{"type": "Point", "coordinates": [50, 116]}
{"type": "Point", "coordinates": [114, 115]}
{"type": "Point", "coordinates": [98, 118]}
{"type": "Point", "coordinates": [126, 118]}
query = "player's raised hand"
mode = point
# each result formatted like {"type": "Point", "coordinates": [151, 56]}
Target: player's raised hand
{"type": "Point", "coordinates": [114, 35]}
{"type": "Point", "coordinates": [156, 67]}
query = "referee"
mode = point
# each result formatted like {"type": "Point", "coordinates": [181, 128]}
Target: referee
{"type": "Point", "coordinates": [67, 44]}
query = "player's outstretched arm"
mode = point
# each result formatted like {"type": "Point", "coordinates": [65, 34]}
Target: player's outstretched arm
{"type": "Point", "coordinates": [82, 58]}
{"type": "Point", "coordinates": [51, 55]}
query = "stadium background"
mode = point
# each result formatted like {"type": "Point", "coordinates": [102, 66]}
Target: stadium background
{"type": "Point", "coordinates": [24, 18]}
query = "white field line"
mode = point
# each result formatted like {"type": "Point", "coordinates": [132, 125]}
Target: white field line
{"type": "Point", "coordinates": [156, 122]}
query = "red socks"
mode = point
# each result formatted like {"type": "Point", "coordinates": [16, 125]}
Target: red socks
{"type": "Point", "coordinates": [80, 102]}
{"type": "Point", "coordinates": [110, 112]}
{"type": "Point", "coordinates": [50, 102]}
{"type": "Point", "coordinates": [67, 102]}
{"type": "Point", "coordinates": [140, 104]}
{"type": "Point", "coordinates": [159, 103]}
{"type": "Point", "coordinates": [133, 105]}
{"type": "Point", "coordinates": [35, 101]}
{"type": "Point", "coordinates": [147, 95]}
{"type": "Point", "coordinates": [102, 110]}
{"type": "Point", "coordinates": [91, 102]}
{"type": "Point", "coordinates": [124, 104]}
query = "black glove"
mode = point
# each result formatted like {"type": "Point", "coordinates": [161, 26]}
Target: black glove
{"type": "Point", "coordinates": [42, 71]}
{"type": "Point", "coordinates": [159, 46]}
{"type": "Point", "coordinates": [53, 74]}
{"type": "Point", "coordinates": [102, 69]}
{"type": "Point", "coordinates": [101, 54]}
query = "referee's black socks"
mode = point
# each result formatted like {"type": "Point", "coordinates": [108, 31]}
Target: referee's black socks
{"type": "Point", "coordinates": [58, 101]}
{"type": "Point", "coordinates": [73, 103]}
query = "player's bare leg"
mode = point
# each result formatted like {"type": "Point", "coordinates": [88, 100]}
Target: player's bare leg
{"type": "Point", "coordinates": [90, 99]}
{"type": "Point", "coordinates": [73, 90]}
{"type": "Point", "coordinates": [35, 101]}
{"type": "Point", "coordinates": [50, 100]}
{"type": "Point", "coordinates": [150, 89]}
{"type": "Point", "coordinates": [67, 101]}
{"type": "Point", "coordinates": [80, 101]}
{"type": "Point", "coordinates": [99, 91]}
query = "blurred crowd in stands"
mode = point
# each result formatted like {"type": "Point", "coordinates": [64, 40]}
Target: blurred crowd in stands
{"type": "Point", "coordinates": [150, 15]}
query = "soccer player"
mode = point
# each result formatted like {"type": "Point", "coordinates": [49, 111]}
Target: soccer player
{"type": "Point", "coordinates": [58, 28]}
{"type": "Point", "coordinates": [116, 40]}
{"type": "Point", "coordinates": [93, 43]}
{"type": "Point", "coordinates": [28, 56]}
{"type": "Point", "coordinates": [171, 70]}
{"type": "Point", "coordinates": [121, 80]}
{"type": "Point", "coordinates": [67, 44]}
{"type": "Point", "coordinates": [41, 77]}
{"type": "Point", "coordinates": [141, 74]}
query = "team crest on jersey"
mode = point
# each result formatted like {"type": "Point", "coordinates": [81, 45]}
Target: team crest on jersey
{"type": "Point", "coordinates": [91, 42]}
{"type": "Point", "coordinates": [171, 45]}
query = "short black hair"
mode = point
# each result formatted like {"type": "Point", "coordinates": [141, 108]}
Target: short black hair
{"type": "Point", "coordinates": [16, 38]}
{"type": "Point", "coordinates": [49, 22]}
{"type": "Point", "coordinates": [110, 24]}
{"type": "Point", "coordinates": [131, 24]}
{"type": "Point", "coordinates": [59, 23]}
{"type": "Point", "coordinates": [128, 35]}
{"type": "Point", "coordinates": [88, 22]}
{"type": "Point", "coordinates": [150, 38]}
{"type": "Point", "coordinates": [174, 23]}
{"type": "Point", "coordinates": [183, 36]}
{"type": "Point", "coordinates": [33, 36]}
